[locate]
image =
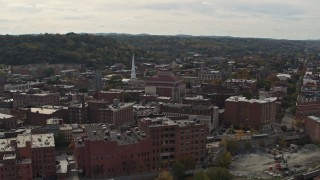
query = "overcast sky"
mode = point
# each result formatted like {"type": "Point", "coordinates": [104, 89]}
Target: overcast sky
{"type": "Point", "coordinates": [281, 19]}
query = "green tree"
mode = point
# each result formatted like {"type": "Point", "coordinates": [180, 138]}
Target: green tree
{"type": "Point", "coordinates": [232, 146]}
{"type": "Point", "coordinates": [201, 175]}
{"type": "Point", "coordinates": [115, 79]}
{"type": "Point", "coordinates": [83, 90]}
{"type": "Point", "coordinates": [219, 173]}
{"type": "Point", "coordinates": [188, 161]}
{"type": "Point", "coordinates": [282, 143]}
{"type": "Point", "coordinates": [164, 175]}
{"type": "Point", "coordinates": [49, 72]}
{"type": "Point", "coordinates": [225, 159]}
{"type": "Point", "coordinates": [267, 85]}
{"type": "Point", "coordinates": [178, 170]}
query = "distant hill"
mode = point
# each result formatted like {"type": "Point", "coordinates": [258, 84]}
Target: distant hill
{"type": "Point", "coordinates": [105, 49]}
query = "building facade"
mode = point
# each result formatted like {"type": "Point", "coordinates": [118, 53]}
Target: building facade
{"type": "Point", "coordinates": [312, 128]}
{"type": "Point", "coordinates": [27, 157]}
{"type": "Point", "coordinates": [307, 106]}
{"type": "Point", "coordinates": [253, 113]}
{"type": "Point", "coordinates": [209, 115]}
{"type": "Point", "coordinates": [118, 114]}
{"type": "Point", "coordinates": [102, 152]}
{"type": "Point", "coordinates": [165, 83]}
{"type": "Point", "coordinates": [36, 99]}
{"type": "Point", "coordinates": [204, 76]}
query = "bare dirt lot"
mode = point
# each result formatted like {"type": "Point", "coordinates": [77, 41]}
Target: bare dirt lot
{"type": "Point", "coordinates": [253, 165]}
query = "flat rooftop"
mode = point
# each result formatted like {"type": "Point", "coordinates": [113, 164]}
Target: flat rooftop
{"type": "Point", "coordinates": [5, 145]}
{"type": "Point", "coordinates": [5, 116]}
{"type": "Point", "coordinates": [116, 108]}
{"type": "Point", "coordinates": [164, 121]}
{"type": "Point", "coordinates": [317, 119]}
{"type": "Point", "coordinates": [97, 132]}
{"type": "Point", "coordinates": [244, 99]}
{"type": "Point", "coordinates": [43, 110]}
{"type": "Point", "coordinates": [241, 80]}
{"type": "Point", "coordinates": [42, 140]}
{"type": "Point", "coordinates": [37, 140]}
{"type": "Point", "coordinates": [189, 106]}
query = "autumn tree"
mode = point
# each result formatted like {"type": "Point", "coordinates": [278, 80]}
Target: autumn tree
{"type": "Point", "coordinates": [219, 173]}
{"type": "Point", "coordinates": [224, 159]}
{"type": "Point", "coordinates": [201, 175]}
{"type": "Point", "coordinates": [164, 175]}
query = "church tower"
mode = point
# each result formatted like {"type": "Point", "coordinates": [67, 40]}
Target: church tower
{"type": "Point", "coordinates": [133, 69]}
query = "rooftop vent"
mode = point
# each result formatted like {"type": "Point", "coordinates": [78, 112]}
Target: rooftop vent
{"type": "Point", "coordinates": [118, 135]}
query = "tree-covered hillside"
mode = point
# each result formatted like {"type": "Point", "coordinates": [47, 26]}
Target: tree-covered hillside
{"type": "Point", "coordinates": [108, 49]}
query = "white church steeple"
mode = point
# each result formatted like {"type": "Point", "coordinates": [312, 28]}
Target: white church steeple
{"type": "Point", "coordinates": [133, 69]}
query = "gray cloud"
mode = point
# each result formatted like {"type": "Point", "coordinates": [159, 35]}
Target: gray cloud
{"type": "Point", "coordinates": [294, 19]}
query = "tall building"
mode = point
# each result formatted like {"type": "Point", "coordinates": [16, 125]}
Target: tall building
{"type": "Point", "coordinates": [165, 83]}
{"type": "Point", "coordinates": [27, 157]}
{"type": "Point", "coordinates": [250, 113]}
{"type": "Point", "coordinates": [102, 152]}
{"type": "Point", "coordinates": [133, 69]}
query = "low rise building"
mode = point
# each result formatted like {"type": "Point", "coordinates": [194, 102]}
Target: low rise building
{"type": "Point", "coordinates": [35, 99]}
{"type": "Point", "coordinates": [38, 116]}
{"type": "Point", "coordinates": [210, 75]}
{"type": "Point", "coordinates": [8, 121]}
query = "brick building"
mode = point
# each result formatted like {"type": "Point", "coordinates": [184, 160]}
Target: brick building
{"type": "Point", "coordinates": [36, 99]}
{"type": "Point", "coordinates": [102, 152]}
{"type": "Point", "coordinates": [312, 128]}
{"type": "Point", "coordinates": [93, 110]}
{"type": "Point", "coordinates": [109, 96]}
{"type": "Point", "coordinates": [8, 121]}
{"type": "Point", "coordinates": [208, 115]}
{"type": "Point", "coordinates": [210, 75]}
{"type": "Point", "coordinates": [241, 85]}
{"type": "Point", "coordinates": [307, 106]}
{"type": "Point", "coordinates": [165, 83]}
{"type": "Point", "coordinates": [117, 114]}
{"type": "Point", "coordinates": [27, 157]}
{"type": "Point", "coordinates": [198, 100]}
{"type": "Point", "coordinates": [253, 113]}
{"type": "Point", "coordinates": [172, 140]}
{"type": "Point", "coordinates": [78, 113]}
{"type": "Point", "coordinates": [38, 116]}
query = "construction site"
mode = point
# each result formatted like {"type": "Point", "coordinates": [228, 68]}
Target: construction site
{"type": "Point", "coordinates": [274, 162]}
